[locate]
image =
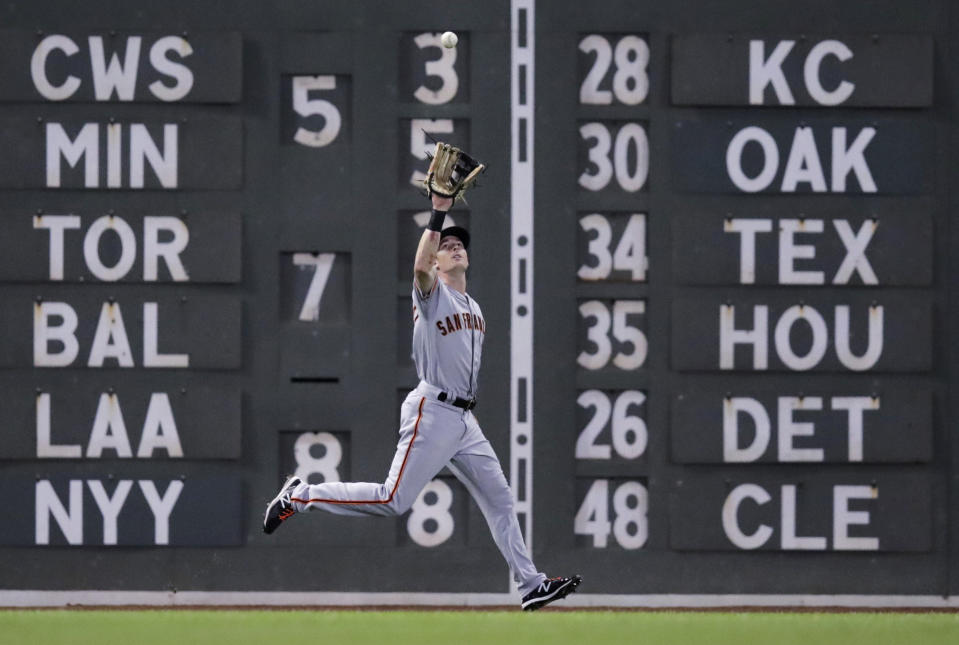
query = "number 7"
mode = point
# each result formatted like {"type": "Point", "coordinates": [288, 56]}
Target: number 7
{"type": "Point", "coordinates": [323, 263]}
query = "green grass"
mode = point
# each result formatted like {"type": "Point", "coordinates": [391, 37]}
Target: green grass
{"type": "Point", "coordinates": [283, 627]}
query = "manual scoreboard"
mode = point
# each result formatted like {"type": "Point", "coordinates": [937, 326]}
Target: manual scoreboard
{"type": "Point", "coordinates": [713, 248]}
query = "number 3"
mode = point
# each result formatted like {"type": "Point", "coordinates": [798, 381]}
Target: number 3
{"type": "Point", "coordinates": [441, 68]}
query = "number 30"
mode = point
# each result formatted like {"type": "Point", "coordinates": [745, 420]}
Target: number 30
{"type": "Point", "coordinates": [630, 135]}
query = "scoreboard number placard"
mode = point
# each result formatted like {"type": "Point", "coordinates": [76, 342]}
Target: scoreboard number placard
{"type": "Point", "coordinates": [615, 247]}
{"type": "Point", "coordinates": [627, 57]}
{"type": "Point", "coordinates": [611, 335]}
{"type": "Point", "coordinates": [628, 433]}
{"type": "Point", "coordinates": [318, 104]}
{"type": "Point", "coordinates": [613, 151]}
{"type": "Point", "coordinates": [432, 74]}
{"type": "Point", "coordinates": [616, 507]}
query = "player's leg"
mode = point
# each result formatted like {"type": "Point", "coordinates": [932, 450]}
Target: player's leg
{"type": "Point", "coordinates": [478, 468]}
{"type": "Point", "coordinates": [421, 452]}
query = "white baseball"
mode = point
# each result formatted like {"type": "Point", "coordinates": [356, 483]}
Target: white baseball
{"type": "Point", "coordinates": [449, 39]}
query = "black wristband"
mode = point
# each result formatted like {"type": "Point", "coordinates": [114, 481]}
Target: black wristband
{"type": "Point", "coordinates": [436, 220]}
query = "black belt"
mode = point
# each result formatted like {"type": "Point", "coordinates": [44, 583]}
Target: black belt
{"type": "Point", "coordinates": [466, 404]}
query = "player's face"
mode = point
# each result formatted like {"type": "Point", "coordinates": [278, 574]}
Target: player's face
{"type": "Point", "coordinates": [451, 255]}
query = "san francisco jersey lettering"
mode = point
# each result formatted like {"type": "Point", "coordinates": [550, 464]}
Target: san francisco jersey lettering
{"type": "Point", "coordinates": [448, 333]}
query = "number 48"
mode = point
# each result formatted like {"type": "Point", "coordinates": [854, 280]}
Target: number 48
{"type": "Point", "coordinates": [630, 506]}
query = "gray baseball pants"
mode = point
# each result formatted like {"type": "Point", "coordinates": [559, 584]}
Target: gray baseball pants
{"type": "Point", "coordinates": [433, 435]}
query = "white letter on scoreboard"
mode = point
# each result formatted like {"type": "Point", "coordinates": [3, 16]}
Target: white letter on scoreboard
{"type": "Point", "coordinates": [803, 164]}
{"type": "Point", "coordinates": [729, 337]}
{"type": "Point", "coordinates": [159, 428]}
{"type": "Point", "coordinates": [747, 229]}
{"type": "Point", "coordinates": [811, 73]}
{"type": "Point", "coordinates": [151, 355]}
{"type": "Point", "coordinates": [110, 339]}
{"type": "Point", "coordinates": [154, 249]}
{"type": "Point", "coordinates": [842, 518]}
{"type": "Point", "coordinates": [110, 507]}
{"type": "Point", "coordinates": [178, 71]}
{"type": "Point", "coordinates": [789, 429]}
{"type": "Point", "coordinates": [38, 68]}
{"type": "Point", "coordinates": [731, 519]}
{"type": "Point", "coordinates": [734, 159]}
{"type": "Point", "coordinates": [47, 503]}
{"type": "Point", "coordinates": [118, 77]}
{"type": "Point", "coordinates": [56, 224]}
{"type": "Point", "coordinates": [855, 244]}
{"type": "Point", "coordinates": [855, 405]}
{"type": "Point", "coordinates": [874, 346]}
{"type": "Point", "coordinates": [161, 507]}
{"type": "Point", "coordinates": [732, 406]}
{"type": "Point", "coordinates": [43, 333]}
{"type": "Point", "coordinates": [87, 144]}
{"type": "Point", "coordinates": [143, 147]}
{"type": "Point", "coordinates": [91, 248]}
{"type": "Point", "coordinates": [820, 337]}
{"type": "Point", "coordinates": [763, 71]}
{"type": "Point", "coordinates": [788, 516]}
{"type": "Point", "coordinates": [45, 447]}
{"type": "Point", "coordinates": [789, 251]}
{"type": "Point", "coordinates": [852, 159]}
{"type": "Point", "coordinates": [109, 417]}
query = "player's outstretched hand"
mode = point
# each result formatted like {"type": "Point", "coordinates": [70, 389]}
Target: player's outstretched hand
{"type": "Point", "coordinates": [441, 203]}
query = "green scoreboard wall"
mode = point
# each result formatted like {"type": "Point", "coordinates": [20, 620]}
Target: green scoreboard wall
{"type": "Point", "coordinates": [713, 246]}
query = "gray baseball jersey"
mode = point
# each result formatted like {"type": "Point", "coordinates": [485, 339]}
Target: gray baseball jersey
{"type": "Point", "coordinates": [448, 333]}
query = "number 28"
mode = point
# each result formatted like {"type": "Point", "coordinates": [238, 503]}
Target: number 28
{"type": "Point", "coordinates": [630, 80]}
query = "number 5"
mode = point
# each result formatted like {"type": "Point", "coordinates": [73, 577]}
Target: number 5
{"type": "Point", "coordinates": [419, 130]}
{"type": "Point", "coordinates": [305, 106]}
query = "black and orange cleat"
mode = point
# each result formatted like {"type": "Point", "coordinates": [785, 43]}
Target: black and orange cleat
{"type": "Point", "coordinates": [281, 508]}
{"type": "Point", "coordinates": [550, 590]}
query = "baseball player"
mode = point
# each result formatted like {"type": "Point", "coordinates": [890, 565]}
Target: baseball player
{"type": "Point", "coordinates": [437, 426]}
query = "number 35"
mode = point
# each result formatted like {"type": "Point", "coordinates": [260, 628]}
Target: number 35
{"type": "Point", "coordinates": [598, 334]}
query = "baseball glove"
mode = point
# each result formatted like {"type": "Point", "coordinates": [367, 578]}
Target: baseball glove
{"type": "Point", "coordinates": [451, 171]}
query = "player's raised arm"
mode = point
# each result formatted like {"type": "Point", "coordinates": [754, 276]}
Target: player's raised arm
{"type": "Point", "coordinates": [424, 265]}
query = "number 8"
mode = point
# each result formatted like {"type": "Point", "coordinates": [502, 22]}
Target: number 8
{"type": "Point", "coordinates": [307, 464]}
{"type": "Point", "coordinates": [635, 70]}
{"type": "Point", "coordinates": [438, 512]}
